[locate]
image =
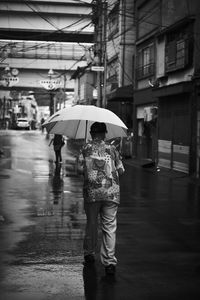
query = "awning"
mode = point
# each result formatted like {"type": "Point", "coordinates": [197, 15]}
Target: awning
{"type": "Point", "coordinates": [173, 89]}
{"type": "Point", "coordinates": [121, 94]}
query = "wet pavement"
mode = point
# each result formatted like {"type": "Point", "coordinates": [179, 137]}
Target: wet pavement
{"type": "Point", "coordinates": [42, 226]}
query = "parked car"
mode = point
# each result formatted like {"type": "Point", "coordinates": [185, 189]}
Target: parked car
{"type": "Point", "coordinates": [23, 123]}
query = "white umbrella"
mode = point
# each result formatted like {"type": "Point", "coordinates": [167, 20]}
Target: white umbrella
{"type": "Point", "coordinates": [74, 122]}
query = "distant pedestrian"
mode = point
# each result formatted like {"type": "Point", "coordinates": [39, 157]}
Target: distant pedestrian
{"type": "Point", "coordinates": [101, 168]}
{"type": "Point", "coordinates": [58, 143]}
{"type": "Point", "coordinates": [42, 122]}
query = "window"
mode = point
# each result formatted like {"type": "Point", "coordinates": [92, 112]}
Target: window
{"type": "Point", "coordinates": [113, 22]}
{"type": "Point", "coordinates": [145, 62]}
{"type": "Point", "coordinates": [178, 51]}
{"type": "Point", "coordinates": [112, 73]}
{"type": "Point", "coordinates": [181, 52]}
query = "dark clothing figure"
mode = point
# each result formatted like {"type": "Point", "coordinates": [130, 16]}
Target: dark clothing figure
{"type": "Point", "coordinates": [58, 143]}
{"type": "Point", "coordinates": [42, 122]}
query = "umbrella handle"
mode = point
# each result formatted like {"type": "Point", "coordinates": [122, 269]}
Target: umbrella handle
{"type": "Point", "coordinates": [50, 142]}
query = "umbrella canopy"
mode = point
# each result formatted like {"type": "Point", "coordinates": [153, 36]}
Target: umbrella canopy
{"type": "Point", "coordinates": [74, 122]}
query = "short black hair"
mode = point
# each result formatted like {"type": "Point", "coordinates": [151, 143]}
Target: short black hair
{"type": "Point", "coordinates": [98, 127]}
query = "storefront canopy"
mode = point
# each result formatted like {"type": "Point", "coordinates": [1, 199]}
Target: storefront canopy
{"type": "Point", "coordinates": [121, 93]}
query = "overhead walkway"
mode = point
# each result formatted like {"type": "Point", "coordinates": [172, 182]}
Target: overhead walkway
{"type": "Point", "coordinates": [39, 35]}
{"type": "Point", "coordinates": [61, 21]}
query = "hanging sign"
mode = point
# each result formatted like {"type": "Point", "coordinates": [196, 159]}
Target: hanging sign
{"type": "Point", "coordinates": [50, 84]}
{"type": "Point", "coordinates": [13, 80]}
{"type": "Point", "coordinates": [9, 81]}
{"type": "Point", "coordinates": [97, 68]}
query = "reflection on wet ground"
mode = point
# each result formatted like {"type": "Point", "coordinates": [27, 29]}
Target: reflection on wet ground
{"type": "Point", "coordinates": [54, 196]}
{"type": "Point", "coordinates": [96, 287]}
{"type": "Point", "coordinates": [41, 206]}
{"type": "Point", "coordinates": [42, 227]}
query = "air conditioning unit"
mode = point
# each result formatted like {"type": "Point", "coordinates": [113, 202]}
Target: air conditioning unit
{"type": "Point", "coordinates": [150, 113]}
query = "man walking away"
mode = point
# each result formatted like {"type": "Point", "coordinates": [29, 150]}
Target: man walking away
{"type": "Point", "coordinates": [101, 167]}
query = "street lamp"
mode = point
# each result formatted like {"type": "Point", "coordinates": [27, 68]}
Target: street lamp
{"type": "Point", "coordinates": [51, 72]}
{"type": "Point", "coordinates": [51, 87]}
{"type": "Point", "coordinates": [64, 86]}
{"type": "Point", "coordinates": [51, 84]}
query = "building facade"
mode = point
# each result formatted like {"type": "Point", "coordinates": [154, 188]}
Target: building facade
{"type": "Point", "coordinates": [120, 47]}
{"type": "Point", "coordinates": [84, 86]}
{"type": "Point", "coordinates": [166, 100]}
{"type": "Point", "coordinates": [114, 52]}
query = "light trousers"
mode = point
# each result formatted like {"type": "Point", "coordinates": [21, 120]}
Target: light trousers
{"type": "Point", "coordinates": [107, 211]}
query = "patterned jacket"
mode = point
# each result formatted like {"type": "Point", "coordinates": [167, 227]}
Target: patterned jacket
{"type": "Point", "coordinates": [101, 163]}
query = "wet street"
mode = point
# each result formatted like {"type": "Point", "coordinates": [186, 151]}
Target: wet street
{"type": "Point", "coordinates": [42, 227]}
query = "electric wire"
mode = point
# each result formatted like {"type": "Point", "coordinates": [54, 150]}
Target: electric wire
{"type": "Point", "coordinates": [58, 30]}
{"type": "Point", "coordinates": [117, 53]}
{"type": "Point", "coordinates": [121, 15]}
{"type": "Point", "coordinates": [50, 22]}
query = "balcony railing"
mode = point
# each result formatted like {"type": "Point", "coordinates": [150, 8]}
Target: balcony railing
{"type": "Point", "coordinates": [145, 71]}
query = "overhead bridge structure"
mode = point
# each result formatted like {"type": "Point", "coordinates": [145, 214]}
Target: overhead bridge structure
{"type": "Point", "coordinates": [41, 35]}
{"type": "Point", "coordinates": [46, 20]}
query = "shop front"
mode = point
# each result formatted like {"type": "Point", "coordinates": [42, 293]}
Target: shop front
{"type": "Point", "coordinates": [174, 127]}
{"type": "Point", "coordinates": [145, 125]}
{"type": "Point", "coordinates": [174, 133]}
{"type": "Point", "coordinates": [120, 102]}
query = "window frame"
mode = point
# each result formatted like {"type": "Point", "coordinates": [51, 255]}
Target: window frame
{"type": "Point", "coordinates": [178, 50]}
{"type": "Point", "coordinates": [113, 22]}
{"type": "Point", "coordinates": [146, 61]}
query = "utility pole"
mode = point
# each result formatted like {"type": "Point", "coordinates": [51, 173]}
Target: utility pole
{"type": "Point", "coordinates": [100, 21]}
{"type": "Point", "coordinates": [101, 29]}
{"type": "Point", "coordinates": [104, 47]}
{"type": "Point", "coordinates": [99, 50]}
{"type": "Point", "coordinates": [50, 87]}
{"type": "Point", "coordinates": [64, 87]}
{"type": "Point", "coordinates": [51, 104]}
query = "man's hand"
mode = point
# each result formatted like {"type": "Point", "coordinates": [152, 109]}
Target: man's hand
{"type": "Point", "coordinates": [120, 171]}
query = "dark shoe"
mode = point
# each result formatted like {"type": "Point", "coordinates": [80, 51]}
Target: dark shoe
{"type": "Point", "coordinates": [89, 259]}
{"type": "Point", "coordinates": [110, 270]}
